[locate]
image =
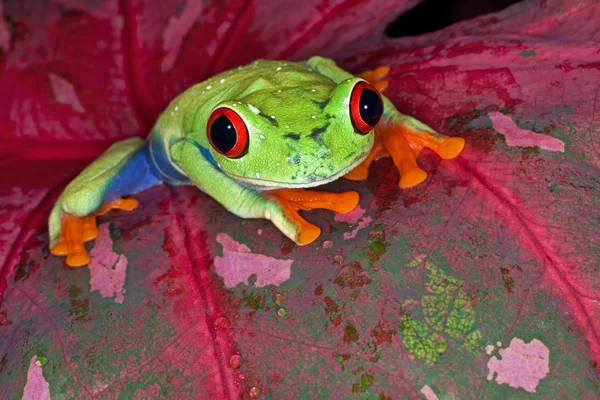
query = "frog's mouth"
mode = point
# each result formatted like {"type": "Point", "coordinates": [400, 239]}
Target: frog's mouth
{"type": "Point", "coordinates": [260, 184]}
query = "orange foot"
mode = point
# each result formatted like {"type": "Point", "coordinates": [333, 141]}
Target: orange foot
{"type": "Point", "coordinates": [403, 139]}
{"type": "Point", "coordinates": [292, 200]}
{"type": "Point", "coordinates": [377, 77]}
{"type": "Point", "coordinates": [76, 231]}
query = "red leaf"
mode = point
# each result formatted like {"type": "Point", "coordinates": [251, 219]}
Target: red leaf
{"type": "Point", "coordinates": [498, 245]}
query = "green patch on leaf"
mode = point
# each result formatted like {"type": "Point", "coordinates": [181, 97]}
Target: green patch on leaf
{"type": "Point", "coordinates": [350, 334]}
{"type": "Point", "coordinates": [472, 341]}
{"type": "Point", "coordinates": [376, 245]}
{"type": "Point", "coordinates": [366, 380]}
{"type": "Point", "coordinates": [420, 340]}
{"type": "Point", "coordinates": [447, 313]}
{"type": "Point", "coordinates": [255, 301]}
{"type": "Point", "coordinates": [527, 53]}
{"type": "Point", "coordinates": [342, 359]}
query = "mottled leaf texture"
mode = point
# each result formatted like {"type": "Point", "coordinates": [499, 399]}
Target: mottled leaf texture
{"type": "Point", "coordinates": [483, 282]}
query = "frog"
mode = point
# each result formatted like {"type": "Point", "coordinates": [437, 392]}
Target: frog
{"type": "Point", "coordinates": [257, 139]}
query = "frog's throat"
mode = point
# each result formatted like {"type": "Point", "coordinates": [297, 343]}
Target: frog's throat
{"type": "Point", "coordinates": [261, 184]}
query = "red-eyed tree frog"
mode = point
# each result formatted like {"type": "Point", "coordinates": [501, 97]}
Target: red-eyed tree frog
{"type": "Point", "coordinates": [253, 138]}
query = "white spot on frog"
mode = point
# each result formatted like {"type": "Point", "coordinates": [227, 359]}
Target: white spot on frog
{"type": "Point", "coordinates": [313, 90]}
{"type": "Point", "coordinates": [262, 137]}
{"type": "Point", "coordinates": [278, 69]}
{"type": "Point", "coordinates": [523, 365]}
{"type": "Point", "coordinates": [277, 164]}
{"type": "Point", "coordinates": [313, 117]}
{"type": "Point", "coordinates": [222, 81]}
{"type": "Point", "coordinates": [176, 108]}
{"type": "Point", "coordinates": [346, 101]}
{"type": "Point", "coordinates": [254, 109]}
{"type": "Point", "coordinates": [208, 87]}
{"type": "Point", "coordinates": [287, 126]}
{"type": "Point", "coordinates": [258, 175]}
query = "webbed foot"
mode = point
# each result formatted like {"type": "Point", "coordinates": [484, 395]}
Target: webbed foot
{"type": "Point", "coordinates": [291, 201]}
{"type": "Point", "coordinates": [76, 231]}
{"type": "Point", "coordinates": [403, 138]}
{"type": "Point", "coordinates": [376, 77]}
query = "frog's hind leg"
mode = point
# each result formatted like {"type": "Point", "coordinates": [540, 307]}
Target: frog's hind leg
{"type": "Point", "coordinates": [123, 169]}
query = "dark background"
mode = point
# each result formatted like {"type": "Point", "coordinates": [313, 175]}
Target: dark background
{"type": "Point", "coordinates": [433, 15]}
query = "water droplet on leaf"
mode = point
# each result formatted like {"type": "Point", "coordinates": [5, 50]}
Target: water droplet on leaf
{"type": "Point", "coordinates": [235, 361]}
{"type": "Point", "coordinates": [222, 323]}
{"type": "Point", "coordinates": [41, 361]}
{"type": "Point", "coordinates": [254, 392]}
{"type": "Point", "coordinates": [174, 289]}
{"type": "Point", "coordinates": [338, 258]}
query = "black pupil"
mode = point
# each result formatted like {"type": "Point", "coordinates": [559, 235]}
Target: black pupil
{"type": "Point", "coordinates": [370, 107]}
{"type": "Point", "coordinates": [222, 134]}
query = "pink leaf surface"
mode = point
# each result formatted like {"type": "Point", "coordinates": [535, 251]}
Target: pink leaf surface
{"type": "Point", "coordinates": [36, 388]}
{"type": "Point", "coordinates": [238, 264]}
{"type": "Point", "coordinates": [522, 365]}
{"type": "Point", "coordinates": [428, 393]}
{"type": "Point", "coordinates": [107, 268]}
{"type": "Point", "coordinates": [516, 136]}
{"type": "Point", "coordinates": [495, 245]}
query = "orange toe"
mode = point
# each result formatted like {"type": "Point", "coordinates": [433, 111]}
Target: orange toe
{"type": "Point", "coordinates": [76, 231]}
{"type": "Point", "coordinates": [308, 234]}
{"type": "Point", "coordinates": [381, 86]}
{"type": "Point", "coordinates": [412, 178]}
{"type": "Point", "coordinates": [347, 202]}
{"type": "Point", "coordinates": [119, 204]}
{"type": "Point", "coordinates": [60, 249]}
{"type": "Point", "coordinates": [451, 147]}
{"type": "Point", "coordinates": [78, 258]}
{"type": "Point", "coordinates": [292, 200]}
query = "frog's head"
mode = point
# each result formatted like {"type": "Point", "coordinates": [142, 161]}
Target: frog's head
{"type": "Point", "coordinates": [300, 136]}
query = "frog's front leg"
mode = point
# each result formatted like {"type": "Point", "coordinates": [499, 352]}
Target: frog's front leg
{"type": "Point", "coordinates": [403, 137]}
{"type": "Point", "coordinates": [396, 135]}
{"type": "Point", "coordinates": [123, 169]}
{"type": "Point", "coordinates": [279, 206]}
{"type": "Point", "coordinates": [292, 200]}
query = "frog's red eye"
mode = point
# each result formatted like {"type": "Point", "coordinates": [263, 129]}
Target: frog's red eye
{"type": "Point", "coordinates": [366, 107]}
{"type": "Point", "coordinates": [227, 133]}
